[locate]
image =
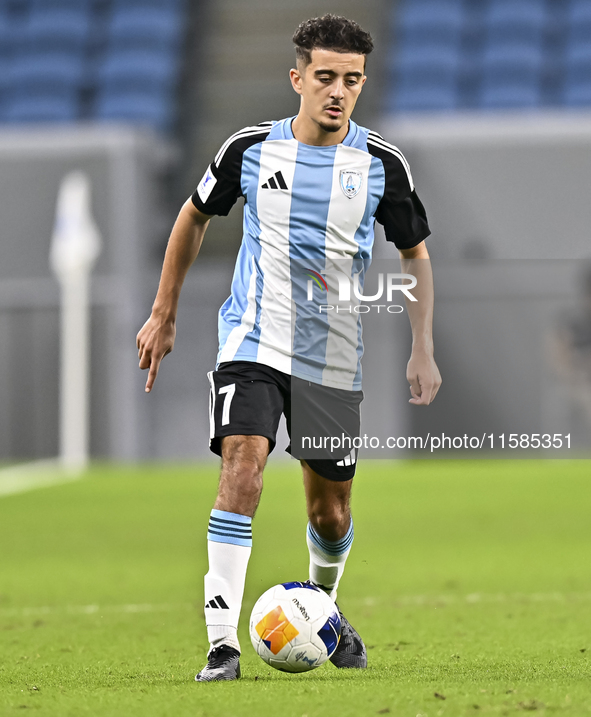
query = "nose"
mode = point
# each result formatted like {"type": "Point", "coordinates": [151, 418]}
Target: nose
{"type": "Point", "coordinates": [337, 90]}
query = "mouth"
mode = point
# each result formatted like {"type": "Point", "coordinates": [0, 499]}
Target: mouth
{"type": "Point", "coordinates": [334, 111]}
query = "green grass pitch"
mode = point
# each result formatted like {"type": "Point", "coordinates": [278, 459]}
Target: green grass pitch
{"type": "Point", "coordinates": [470, 582]}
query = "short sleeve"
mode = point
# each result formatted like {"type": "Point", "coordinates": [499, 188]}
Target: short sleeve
{"type": "Point", "coordinates": [400, 210]}
{"type": "Point", "coordinates": [219, 187]}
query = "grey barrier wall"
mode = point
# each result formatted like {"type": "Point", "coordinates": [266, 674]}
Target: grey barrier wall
{"type": "Point", "coordinates": [506, 199]}
{"type": "Point", "coordinates": [123, 166]}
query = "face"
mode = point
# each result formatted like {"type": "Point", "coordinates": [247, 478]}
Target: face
{"type": "Point", "coordinates": [329, 87]}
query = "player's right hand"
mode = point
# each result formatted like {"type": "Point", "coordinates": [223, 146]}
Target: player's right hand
{"type": "Point", "coordinates": [154, 341]}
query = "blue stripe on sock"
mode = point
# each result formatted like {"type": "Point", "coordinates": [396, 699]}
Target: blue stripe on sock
{"type": "Point", "coordinates": [337, 547]}
{"type": "Point", "coordinates": [225, 527]}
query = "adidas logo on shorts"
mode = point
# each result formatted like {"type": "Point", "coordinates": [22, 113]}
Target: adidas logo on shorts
{"type": "Point", "coordinates": [350, 459]}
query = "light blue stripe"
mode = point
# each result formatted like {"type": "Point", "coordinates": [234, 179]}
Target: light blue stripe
{"type": "Point", "coordinates": [365, 239]}
{"type": "Point", "coordinates": [310, 202]}
{"type": "Point", "coordinates": [225, 515]}
{"type": "Point", "coordinates": [231, 313]}
{"type": "Point", "coordinates": [337, 547]}
{"type": "Point", "coordinates": [244, 542]}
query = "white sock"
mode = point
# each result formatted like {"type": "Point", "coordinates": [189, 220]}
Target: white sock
{"type": "Point", "coordinates": [229, 543]}
{"type": "Point", "coordinates": [327, 559]}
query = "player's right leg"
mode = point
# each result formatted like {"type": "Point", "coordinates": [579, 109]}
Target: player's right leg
{"type": "Point", "coordinates": [229, 542]}
{"type": "Point", "coordinates": [244, 410]}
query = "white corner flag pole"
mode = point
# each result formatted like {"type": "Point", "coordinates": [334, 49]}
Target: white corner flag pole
{"type": "Point", "coordinates": [75, 247]}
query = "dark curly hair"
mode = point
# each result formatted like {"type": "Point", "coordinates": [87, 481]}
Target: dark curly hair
{"type": "Point", "coordinates": [330, 32]}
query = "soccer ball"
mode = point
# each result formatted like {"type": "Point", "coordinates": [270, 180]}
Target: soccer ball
{"type": "Point", "coordinates": [295, 627]}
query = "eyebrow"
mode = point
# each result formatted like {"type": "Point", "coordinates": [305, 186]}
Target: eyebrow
{"type": "Point", "coordinates": [333, 73]}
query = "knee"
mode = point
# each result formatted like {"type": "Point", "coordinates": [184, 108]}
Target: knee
{"type": "Point", "coordinates": [331, 521]}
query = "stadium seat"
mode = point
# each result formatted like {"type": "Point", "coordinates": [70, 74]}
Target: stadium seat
{"type": "Point", "coordinates": [50, 5]}
{"type": "Point", "coordinates": [420, 12]}
{"type": "Point", "coordinates": [577, 75]}
{"type": "Point", "coordinates": [432, 65]}
{"type": "Point", "coordinates": [430, 24]}
{"type": "Point", "coordinates": [578, 20]}
{"type": "Point", "coordinates": [145, 29]}
{"type": "Point", "coordinates": [134, 70]}
{"type": "Point", "coordinates": [154, 109]}
{"type": "Point", "coordinates": [57, 29]}
{"type": "Point", "coordinates": [414, 98]}
{"type": "Point", "coordinates": [179, 5]}
{"type": "Point", "coordinates": [511, 77]}
{"type": "Point", "coordinates": [58, 71]}
{"type": "Point", "coordinates": [6, 35]}
{"type": "Point", "coordinates": [41, 107]}
{"type": "Point", "coordinates": [508, 22]}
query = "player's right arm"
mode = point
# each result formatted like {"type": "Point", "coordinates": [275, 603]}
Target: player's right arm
{"type": "Point", "coordinates": [156, 337]}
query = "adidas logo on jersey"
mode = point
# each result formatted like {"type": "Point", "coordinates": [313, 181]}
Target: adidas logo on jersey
{"type": "Point", "coordinates": [217, 603]}
{"type": "Point", "coordinates": [275, 182]}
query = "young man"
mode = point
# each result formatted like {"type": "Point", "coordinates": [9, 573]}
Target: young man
{"type": "Point", "coordinates": [313, 186]}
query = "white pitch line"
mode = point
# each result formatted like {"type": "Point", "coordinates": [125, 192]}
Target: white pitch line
{"type": "Point", "coordinates": [474, 598]}
{"type": "Point", "coordinates": [418, 600]}
{"type": "Point", "coordinates": [36, 474]}
{"type": "Point", "coordinates": [94, 609]}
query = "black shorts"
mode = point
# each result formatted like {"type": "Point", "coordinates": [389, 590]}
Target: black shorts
{"type": "Point", "coordinates": [247, 399]}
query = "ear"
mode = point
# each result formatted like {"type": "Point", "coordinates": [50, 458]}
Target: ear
{"type": "Point", "coordinates": [296, 81]}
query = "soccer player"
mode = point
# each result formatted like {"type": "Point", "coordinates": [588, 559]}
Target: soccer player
{"type": "Point", "coordinates": [313, 186]}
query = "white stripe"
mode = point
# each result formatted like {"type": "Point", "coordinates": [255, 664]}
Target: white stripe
{"type": "Point", "coordinates": [380, 142]}
{"type": "Point", "coordinates": [273, 209]}
{"type": "Point", "coordinates": [211, 406]}
{"type": "Point", "coordinates": [94, 609]}
{"type": "Point", "coordinates": [397, 153]}
{"type": "Point", "coordinates": [246, 132]}
{"type": "Point", "coordinates": [344, 217]}
{"type": "Point", "coordinates": [36, 474]}
{"type": "Point", "coordinates": [236, 336]}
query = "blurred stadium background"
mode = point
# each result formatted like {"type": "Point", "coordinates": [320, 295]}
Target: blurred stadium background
{"type": "Point", "coordinates": [489, 99]}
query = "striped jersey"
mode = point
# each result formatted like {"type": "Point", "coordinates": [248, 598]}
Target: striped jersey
{"type": "Point", "coordinates": [309, 214]}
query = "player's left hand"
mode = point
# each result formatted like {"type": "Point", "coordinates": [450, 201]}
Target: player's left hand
{"type": "Point", "coordinates": [424, 378]}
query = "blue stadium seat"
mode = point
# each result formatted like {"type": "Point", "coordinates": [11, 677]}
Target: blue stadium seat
{"type": "Point", "coordinates": [429, 65]}
{"type": "Point", "coordinates": [578, 18]}
{"type": "Point", "coordinates": [415, 98]}
{"type": "Point", "coordinates": [430, 23]}
{"type": "Point", "coordinates": [511, 77]}
{"type": "Point", "coordinates": [50, 5]}
{"type": "Point", "coordinates": [154, 28]}
{"type": "Point", "coordinates": [138, 70]}
{"type": "Point", "coordinates": [41, 107]}
{"type": "Point", "coordinates": [154, 109]}
{"type": "Point", "coordinates": [420, 12]}
{"type": "Point", "coordinates": [57, 71]}
{"type": "Point", "coordinates": [6, 34]}
{"type": "Point", "coordinates": [508, 22]}
{"type": "Point", "coordinates": [179, 5]}
{"type": "Point", "coordinates": [60, 29]}
{"type": "Point", "coordinates": [427, 79]}
{"type": "Point", "coordinates": [577, 76]}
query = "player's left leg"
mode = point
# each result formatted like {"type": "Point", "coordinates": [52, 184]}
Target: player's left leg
{"type": "Point", "coordinates": [329, 537]}
{"type": "Point", "coordinates": [330, 528]}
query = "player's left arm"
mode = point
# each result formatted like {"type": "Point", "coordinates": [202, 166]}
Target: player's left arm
{"type": "Point", "coordinates": [421, 372]}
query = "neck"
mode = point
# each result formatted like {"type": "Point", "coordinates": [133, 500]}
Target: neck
{"type": "Point", "coordinates": [307, 131]}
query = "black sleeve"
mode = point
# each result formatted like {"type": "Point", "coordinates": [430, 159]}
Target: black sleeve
{"type": "Point", "coordinates": [219, 188]}
{"type": "Point", "coordinates": [400, 210]}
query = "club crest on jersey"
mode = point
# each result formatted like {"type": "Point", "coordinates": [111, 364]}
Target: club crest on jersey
{"type": "Point", "coordinates": [351, 181]}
